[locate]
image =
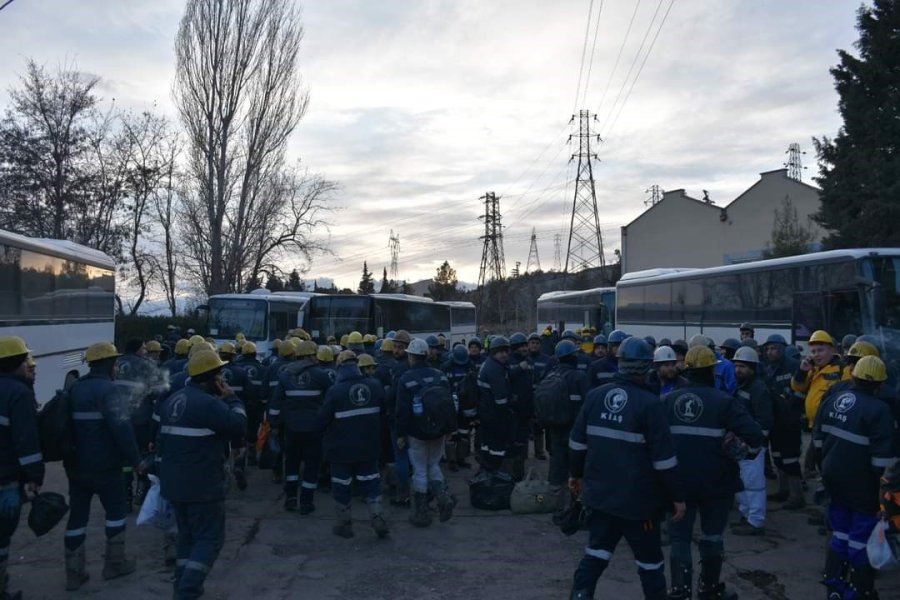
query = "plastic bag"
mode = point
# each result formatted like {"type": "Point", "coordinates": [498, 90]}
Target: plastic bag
{"type": "Point", "coordinates": [270, 455]}
{"type": "Point", "coordinates": [882, 548]}
{"type": "Point", "coordinates": [156, 510]}
{"type": "Point", "coordinates": [262, 435]}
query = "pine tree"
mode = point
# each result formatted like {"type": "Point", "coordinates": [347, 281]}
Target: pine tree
{"type": "Point", "coordinates": [789, 236]}
{"type": "Point", "coordinates": [274, 283]}
{"type": "Point", "coordinates": [443, 285]}
{"type": "Point", "coordinates": [860, 167]}
{"type": "Point", "coordinates": [388, 286]}
{"type": "Point", "coordinates": [366, 284]}
{"type": "Point", "coordinates": [294, 283]}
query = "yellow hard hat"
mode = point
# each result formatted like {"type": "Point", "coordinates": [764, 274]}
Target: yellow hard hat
{"type": "Point", "coordinates": [196, 339]}
{"type": "Point", "coordinates": [200, 347]}
{"type": "Point", "coordinates": [12, 346]}
{"type": "Point", "coordinates": [700, 357]}
{"type": "Point", "coordinates": [821, 337]}
{"type": "Point", "coordinates": [387, 345]}
{"type": "Point", "coordinates": [99, 351]}
{"type": "Point", "coordinates": [276, 343]}
{"type": "Point", "coordinates": [324, 354]}
{"type": "Point", "coordinates": [300, 333]}
{"type": "Point", "coordinates": [364, 360]}
{"type": "Point", "coordinates": [306, 348]}
{"type": "Point", "coordinates": [204, 362]}
{"type": "Point", "coordinates": [182, 346]}
{"type": "Point", "coordinates": [354, 337]}
{"type": "Point", "coordinates": [860, 349]}
{"type": "Point", "coordinates": [240, 337]}
{"type": "Point", "coordinates": [369, 339]}
{"type": "Point", "coordinates": [248, 348]}
{"type": "Point", "coordinates": [210, 340]}
{"type": "Point", "coordinates": [228, 348]}
{"type": "Point", "coordinates": [870, 368]}
{"type": "Point", "coordinates": [346, 355]}
{"type": "Point", "coordinates": [345, 339]}
{"type": "Point", "coordinates": [286, 349]}
{"type": "Point", "coordinates": [153, 346]}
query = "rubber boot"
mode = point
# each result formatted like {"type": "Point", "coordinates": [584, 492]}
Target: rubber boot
{"type": "Point", "coordinates": [462, 453]}
{"type": "Point", "coordinates": [862, 581]}
{"type": "Point", "coordinates": [446, 502]}
{"type": "Point", "coordinates": [116, 564]}
{"type": "Point", "coordinates": [450, 453]}
{"type": "Point", "coordinates": [581, 595]}
{"type": "Point", "coordinates": [306, 501]}
{"type": "Point", "coordinates": [557, 501]}
{"type": "Point", "coordinates": [835, 576]}
{"type": "Point", "coordinates": [170, 546]}
{"type": "Point", "coordinates": [344, 526]}
{"type": "Point", "coordinates": [401, 495]}
{"type": "Point", "coordinates": [290, 503]}
{"type": "Point", "coordinates": [796, 501]}
{"type": "Point", "coordinates": [782, 494]}
{"type": "Point", "coordinates": [379, 525]}
{"type": "Point", "coordinates": [76, 575]}
{"type": "Point", "coordinates": [682, 580]}
{"type": "Point", "coordinates": [419, 515]}
{"type": "Point", "coordinates": [710, 588]}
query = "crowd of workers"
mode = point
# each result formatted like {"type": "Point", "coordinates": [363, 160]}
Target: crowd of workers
{"type": "Point", "coordinates": [687, 428]}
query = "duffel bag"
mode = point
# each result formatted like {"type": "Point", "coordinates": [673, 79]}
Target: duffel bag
{"type": "Point", "coordinates": [491, 490]}
{"type": "Point", "coordinates": [531, 495]}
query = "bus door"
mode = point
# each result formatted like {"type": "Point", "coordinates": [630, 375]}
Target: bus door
{"type": "Point", "coordinates": [835, 311]}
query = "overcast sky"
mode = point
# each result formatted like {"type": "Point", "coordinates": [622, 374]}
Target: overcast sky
{"type": "Point", "coordinates": [419, 107]}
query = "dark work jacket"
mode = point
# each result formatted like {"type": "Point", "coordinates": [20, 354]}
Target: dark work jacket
{"type": "Point", "coordinates": [521, 384]}
{"type": "Point", "coordinates": [541, 364]}
{"type": "Point", "coordinates": [104, 438]}
{"type": "Point", "coordinates": [493, 391]}
{"type": "Point", "coordinates": [602, 371]}
{"type": "Point", "coordinates": [195, 427]}
{"type": "Point", "coordinates": [787, 404]}
{"type": "Point", "coordinates": [298, 397]}
{"type": "Point", "coordinates": [397, 370]}
{"type": "Point", "coordinates": [661, 388]}
{"type": "Point", "coordinates": [20, 448]}
{"type": "Point", "coordinates": [755, 394]}
{"type": "Point", "coordinates": [140, 384]}
{"type": "Point", "coordinates": [254, 372]}
{"type": "Point", "coordinates": [853, 431]}
{"type": "Point", "coordinates": [174, 365]}
{"type": "Point", "coordinates": [887, 394]}
{"type": "Point", "coordinates": [351, 417]}
{"type": "Point", "coordinates": [621, 446]}
{"type": "Point", "coordinates": [456, 375]}
{"type": "Point", "coordinates": [699, 417]}
{"type": "Point", "coordinates": [270, 377]}
{"type": "Point", "coordinates": [410, 384]}
{"type": "Point", "coordinates": [576, 384]}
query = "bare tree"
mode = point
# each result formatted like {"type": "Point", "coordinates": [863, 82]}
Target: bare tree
{"type": "Point", "coordinates": [239, 97]}
{"type": "Point", "coordinates": [165, 213]}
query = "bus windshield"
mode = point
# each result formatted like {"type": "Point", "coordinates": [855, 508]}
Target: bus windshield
{"type": "Point", "coordinates": [337, 315]}
{"type": "Point", "coordinates": [886, 271]}
{"type": "Point", "coordinates": [231, 316]}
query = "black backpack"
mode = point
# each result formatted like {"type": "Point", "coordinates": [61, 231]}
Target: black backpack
{"type": "Point", "coordinates": [551, 401]}
{"type": "Point", "coordinates": [437, 415]}
{"type": "Point", "coordinates": [56, 429]}
{"type": "Point", "coordinates": [467, 391]}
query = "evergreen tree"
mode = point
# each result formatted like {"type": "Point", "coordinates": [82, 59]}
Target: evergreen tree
{"type": "Point", "coordinates": [294, 283]}
{"type": "Point", "coordinates": [789, 236]}
{"type": "Point", "coordinates": [860, 167]}
{"type": "Point", "coordinates": [253, 284]}
{"type": "Point", "coordinates": [443, 285]}
{"type": "Point", "coordinates": [367, 283]}
{"type": "Point", "coordinates": [388, 286]}
{"type": "Point", "coordinates": [274, 283]}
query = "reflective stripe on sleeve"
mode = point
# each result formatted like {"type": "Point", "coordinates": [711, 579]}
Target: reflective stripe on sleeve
{"type": "Point", "coordinates": [274, 412]}
{"type": "Point", "coordinates": [484, 384]}
{"type": "Point", "coordinates": [577, 446]}
{"type": "Point", "coordinates": [847, 436]}
{"type": "Point", "coordinates": [698, 431]}
{"type": "Point", "coordinates": [4, 421]}
{"type": "Point", "coordinates": [876, 462]}
{"type": "Point", "coordinates": [87, 416]}
{"type": "Point", "coordinates": [662, 465]}
{"type": "Point", "coordinates": [371, 477]}
{"type": "Point", "coordinates": [575, 397]}
{"type": "Point", "coordinates": [500, 401]}
{"type": "Point", "coordinates": [302, 393]}
{"type": "Point", "coordinates": [239, 410]}
{"type": "Point", "coordinates": [187, 431]}
{"type": "Point", "coordinates": [34, 458]}
{"type": "Point", "coordinates": [470, 412]}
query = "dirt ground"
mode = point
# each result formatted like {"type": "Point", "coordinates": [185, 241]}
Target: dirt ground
{"type": "Point", "coordinates": [272, 554]}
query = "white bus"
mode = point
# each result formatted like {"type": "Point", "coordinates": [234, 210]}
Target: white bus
{"type": "Point", "coordinates": [840, 291]}
{"type": "Point", "coordinates": [595, 308]}
{"type": "Point", "coordinates": [462, 321]}
{"type": "Point", "coordinates": [338, 314]}
{"type": "Point", "coordinates": [60, 298]}
{"type": "Point", "coordinates": [262, 316]}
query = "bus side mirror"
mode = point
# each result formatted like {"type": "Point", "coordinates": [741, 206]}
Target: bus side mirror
{"type": "Point", "coordinates": [877, 292]}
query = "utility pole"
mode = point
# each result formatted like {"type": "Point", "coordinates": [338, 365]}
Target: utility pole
{"type": "Point", "coordinates": [557, 243]}
{"type": "Point", "coordinates": [394, 245]}
{"type": "Point", "coordinates": [656, 194]}
{"type": "Point", "coordinates": [533, 258]}
{"type": "Point", "coordinates": [794, 164]}
{"type": "Point", "coordinates": [585, 241]}
{"type": "Point", "coordinates": [493, 267]}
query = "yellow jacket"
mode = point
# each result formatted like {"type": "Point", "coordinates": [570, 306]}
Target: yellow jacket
{"type": "Point", "coordinates": [815, 382]}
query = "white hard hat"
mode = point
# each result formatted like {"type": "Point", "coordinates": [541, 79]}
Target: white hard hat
{"type": "Point", "coordinates": [664, 354]}
{"type": "Point", "coordinates": [746, 354]}
{"type": "Point", "coordinates": [417, 347]}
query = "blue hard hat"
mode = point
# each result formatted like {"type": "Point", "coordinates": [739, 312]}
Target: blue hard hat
{"type": "Point", "coordinates": [432, 341]}
{"type": "Point", "coordinates": [390, 334]}
{"type": "Point", "coordinates": [378, 344]}
{"type": "Point", "coordinates": [600, 340]}
{"type": "Point", "coordinates": [650, 340]}
{"type": "Point", "coordinates": [517, 339]}
{"type": "Point", "coordinates": [776, 338]}
{"type": "Point", "coordinates": [617, 336]}
{"type": "Point", "coordinates": [565, 348]}
{"type": "Point", "coordinates": [460, 355]}
{"type": "Point", "coordinates": [568, 334]}
{"type": "Point", "coordinates": [635, 348]}
{"type": "Point", "coordinates": [498, 342]}
{"type": "Point", "coordinates": [474, 341]}
{"type": "Point", "coordinates": [731, 343]}
{"type": "Point", "coordinates": [534, 336]}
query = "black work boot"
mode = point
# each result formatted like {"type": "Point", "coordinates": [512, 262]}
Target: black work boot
{"type": "Point", "coordinates": [290, 503]}
{"type": "Point", "coordinates": [682, 580]}
{"type": "Point", "coordinates": [581, 595]}
{"type": "Point", "coordinates": [419, 515]}
{"type": "Point", "coordinates": [710, 588]}
{"type": "Point", "coordinates": [835, 576]}
{"type": "Point", "coordinates": [862, 581]}
{"type": "Point", "coordinates": [344, 526]}
{"type": "Point", "coordinates": [306, 501]}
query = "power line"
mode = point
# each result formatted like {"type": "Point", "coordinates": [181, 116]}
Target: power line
{"type": "Point", "coordinates": [587, 30]}
{"type": "Point", "coordinates": [587, 82]}
{"type": "Point", "coordinates": [5, 4]}
{"type": "Point", "coordinates": [619, 55]}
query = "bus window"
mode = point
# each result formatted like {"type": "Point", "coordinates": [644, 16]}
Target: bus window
{"type": "Point", "coordinates": [230, 316]}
